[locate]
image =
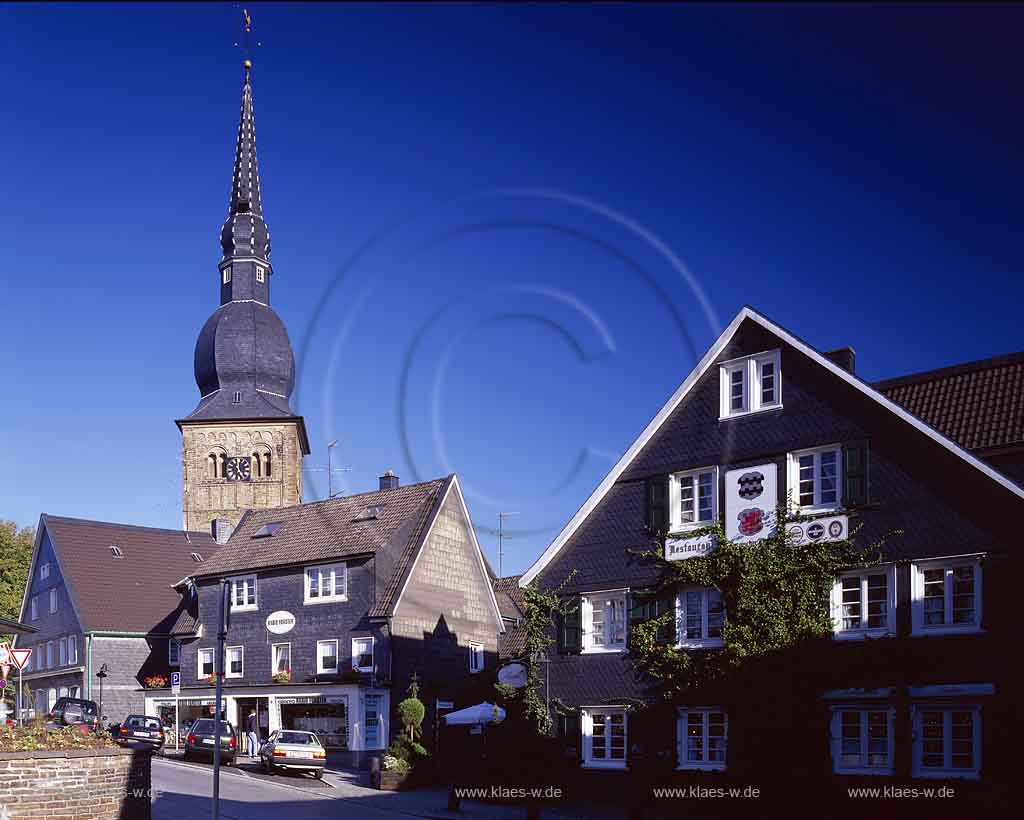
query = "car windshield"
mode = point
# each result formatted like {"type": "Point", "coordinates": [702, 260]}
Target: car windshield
{"type": "Point", "coordinates": [87, 706]}
{"type": "Point", "coordinates": [143, 723]}
{"type": "Point", "coordinates": [298, 738]}
{"type": "Point", "coordinates": [205, 727]}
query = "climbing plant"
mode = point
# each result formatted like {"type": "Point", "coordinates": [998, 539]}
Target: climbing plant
{"type": "Point", "coordinates": [542, 606]}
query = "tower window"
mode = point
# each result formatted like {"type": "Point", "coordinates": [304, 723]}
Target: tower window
{"type": "Point", "coordinates": [226, 273]}
{"type": "Point", "coordinates": [260, 274]}
{"type": "Point", "coordinates": [237, 399]}
{"type": "Point", "coordinates": [261, 463]}
{"type": "Point", "coordinates": [216, 464]}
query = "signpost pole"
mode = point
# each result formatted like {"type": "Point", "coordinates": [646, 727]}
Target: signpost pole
{"type": "Point", "coordinates": [20, 684]}
{"type": "Point", "coordinates": [222, 634]}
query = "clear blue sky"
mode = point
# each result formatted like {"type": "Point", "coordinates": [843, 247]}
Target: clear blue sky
{"type": "Point", "coordinates": [466, 204]}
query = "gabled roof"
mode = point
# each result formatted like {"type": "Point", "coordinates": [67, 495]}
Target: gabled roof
{"type": "Point", "coordinates": [510, 596]}
{"type": "Point", "coordinates": [130, 593]}
{"type": "Point", "coordinates": [748, 313]}
{"type": "Point", "coordinates": [324, 530]}
{"type": "Point", "coordinates": [980, 405]}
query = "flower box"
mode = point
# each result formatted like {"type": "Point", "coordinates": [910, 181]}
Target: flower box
{"type": "Point", "coordinates": [389, 781]}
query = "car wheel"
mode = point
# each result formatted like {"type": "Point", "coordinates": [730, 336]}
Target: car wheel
{"type": "Point", "coordinates": [187, 756]}
{"type": "Point", "coordinates": [319, 774]}
{"type": "Point", "coordinates": [271, 769]}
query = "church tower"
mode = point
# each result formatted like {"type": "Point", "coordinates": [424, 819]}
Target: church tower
{"type": "Point", "coordinates": [243, 445]}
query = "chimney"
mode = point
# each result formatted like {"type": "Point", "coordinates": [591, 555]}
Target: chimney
{"type": "Point", "coordinates": [845, 357]}
{"type": "Point", "coordinates": [389, 481]}
{"type": "Point", "coordinates": [222, 529]}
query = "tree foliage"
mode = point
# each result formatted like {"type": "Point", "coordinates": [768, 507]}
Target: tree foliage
{"type": "Point", "coordinates": [15, 555]}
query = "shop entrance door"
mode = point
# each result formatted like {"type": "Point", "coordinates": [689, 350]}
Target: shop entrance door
{"type": "Point", "coordinates": [262, 708]}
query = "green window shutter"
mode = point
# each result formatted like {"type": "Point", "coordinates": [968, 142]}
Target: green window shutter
{"type": "Point", "coordinates": [667, 633]}
{"type": "Point", "coordinates": [657, 505]}
{"type": "Point", "coordinates": [570, 631]}
{"type": "Point", "coordinates": [855, 474]}
{"type": "Point", "coordinates": [572, 739]}
{"type": "Point", "coordinates": [648, 608]}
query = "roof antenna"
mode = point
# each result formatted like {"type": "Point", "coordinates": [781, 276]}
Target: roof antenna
{"type": "Point", "coordinates": [501, 535]}
{"type": "Point", "coordinates": [330, 469]}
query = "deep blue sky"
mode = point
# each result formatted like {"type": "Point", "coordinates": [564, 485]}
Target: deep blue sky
{"type": "Point", "coordinates": [853, 172]}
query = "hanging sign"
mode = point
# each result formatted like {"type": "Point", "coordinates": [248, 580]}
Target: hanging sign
{"type": "Point", "coordinates": [280, 622]}
{"type": "Point", "coordinates": [680, 548]}
{"type": "Point", "coordinates": [751, 495]}
{"type": "Point", "coordinates": [512, 674]}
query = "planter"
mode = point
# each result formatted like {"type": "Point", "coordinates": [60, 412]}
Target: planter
{"type": "Point", "coordinates": [388, 781]}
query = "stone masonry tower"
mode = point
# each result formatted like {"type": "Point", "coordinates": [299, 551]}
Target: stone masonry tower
{"type": "Point", "coordinates": [243, 445]}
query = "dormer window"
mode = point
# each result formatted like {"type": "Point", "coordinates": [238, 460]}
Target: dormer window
{"type": "Point", "coordinates": [750, 384]}
{"type": "Point", "coordinates": [261, 274]}
{"type": "Point", "coordinates": [115, 551]}
{"type": "Point", "coordinates": [226, 274]}
{"type": "Point", "coordinates": [197, 557]}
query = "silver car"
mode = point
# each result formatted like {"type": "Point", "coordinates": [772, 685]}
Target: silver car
{"type": "Point", "coordinates": [295, 750]}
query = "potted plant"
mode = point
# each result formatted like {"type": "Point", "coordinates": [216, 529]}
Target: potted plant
{"type": "Point", "coordinates": [405, 752]}
{"type": "Point", "coordinates": [282, 676]}
{"type": "Point", "coordinates": [155, 681]}
{"type": "Point", "coordinates": [210, 680]}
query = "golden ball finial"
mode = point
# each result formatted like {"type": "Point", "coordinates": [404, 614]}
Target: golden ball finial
{"type": "Point", "coordinates": [247, 64]}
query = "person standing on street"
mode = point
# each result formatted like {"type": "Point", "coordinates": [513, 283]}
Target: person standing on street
{"type": "Point", "coordinates": [252, 735]}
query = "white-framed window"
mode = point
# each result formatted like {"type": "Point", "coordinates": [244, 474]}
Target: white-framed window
{"type": "Point", "coordinates": [173, 652]}
{"type": "Point", "coordinates": [863, 739]}
{"type": "Point", "coordinates": [49, 654]}
{"type": "Point", "coordinates": [604, 737]}
{"type": "Point", "coordinates": [946, 596]}
{"type": "Point", "coordinates": [327, 657]}
{"type": "Point", "coordinates": [864, 602]}
{"type": "Point", "coordinates": [243, 593]}
{"type": "Point", "coordinates": [73, 691]}
{"type": "Point", "coordinates": [362, 654]}
{"type": "Point", "coordinates": [72, 642]}
{"type": "Point", "coordinates": [226, 274]}
{"type": "Point", "coordinates": [62, 652]}
{"type": "Point", "coordinates": [261, 273]}
{"type": "Point", "coordinates": [51, 699]}
{"type": "Point", "coordinates": [750, 384]}
{"type": "Point", "coordinates": [694, 498]}
{"type": "Point", "coordinates": [235, 662]}
{"type": "Point", "coordinates": [372, 718]}
{"type": "Point", "coordinates": [604, 621]}
{"type": "Point", "coordinates": [476, 657]}
{"type": "Point", "coordinates": [62, 692]}
{"type": "Point", "coordinates": [44, 571]}
{"type": "Point", "coordinates": [701, 736]}
{"type": "Point", "coordinates": [815, 478]}
{"type": "Point", "coordinates": [700, 616]}
{"type": "Point", "coordinates": [205, 664]}
{"type": "Point", "coordinates": [947, 740]}
{"type": "Point", "coordinates": [325, 583]}
{"type": "Point", "coordinates": [33, 608]}
{"type": "Point", "coordinates": [281, 656]}
{"type": "Point", "coordinates": [54, 599]}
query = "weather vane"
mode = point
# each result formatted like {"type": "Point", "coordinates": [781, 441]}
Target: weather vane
{"type": "Point", "coordinates": [246, 31]}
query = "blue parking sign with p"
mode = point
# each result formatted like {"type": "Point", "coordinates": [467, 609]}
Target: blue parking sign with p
{"type": "Point", "coordinates": [175, 682]}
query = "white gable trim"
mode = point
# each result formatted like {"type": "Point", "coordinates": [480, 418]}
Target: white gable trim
{"type": "Point", "coordinates": [484, 574]}
{"type": "Point", "coordinates": [702, 366]}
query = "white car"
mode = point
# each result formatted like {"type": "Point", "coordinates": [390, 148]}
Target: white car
{"type": "Point", "coordinates": [292, 749]}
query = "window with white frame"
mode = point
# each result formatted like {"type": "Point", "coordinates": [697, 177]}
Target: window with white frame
{"type": "Point", "coordinates": [49, 654]}
{"type": "Point", "coordinates": [282, 657]}
{"type": "Point", "coordinates": [72, 642]}
{"type": "Point", "coordinates": [946, 596]}
{"type": "Point", "coordinates": [814, 477]}
{"type": "Point", "coordinates": [863, 739]}
{"type": "Point", "coordinates": [604, 621]}
{"type": "Point", "coordinates": [44, 571]}
{"type": "Point", "coordinates": [73, 691]}
{"type": "Point", "coordinates": [235, 658]}
{"type": "Point", "coordinates": [205, 666]}
{"type": "Point", "coordinates": [694, 501]}
{"type": "Point", "coordinates": [701, 734]}
{"type": "Point", "coordinates": [173, 652]}
{"type": "Point", "coordinates": [33, 607]}
{"type": "Point", "coordinates": [362, 654]}
{"type": "Point", "coordinates": [54, 599]}
{"type": "Point", "coordinates": [243, 593]}
{"type": "Point", "coordinates": [751, 384]}
{"type": "Point", "coordinates": [62, 652]}
{"type": "Point", "coordinates": [326, 657]}
{"type": "Point", "coordinates": [51, 699]}
{"type": "Point", "coordinates": [476, 658]}
{"type": "Point", "coordinates": [260, 273]}
{"type": "Point", "coordinates": [947, 740]}
{"type": "Point", "coordinates": [226, 274]}
{"type": "Point", "coordinates": [604, 737]}
{"type": "Point", "coordinates": [700, 616]}
{"type": "Point", "coordinates": [328, 582]}
{"type": "Point", "coordinates": [864, 602]}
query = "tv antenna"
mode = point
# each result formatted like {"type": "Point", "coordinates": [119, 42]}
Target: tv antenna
{"type": "Point", "coordinates": [501, 535]}
{"type": "Point", "coordinates": [330, 469]}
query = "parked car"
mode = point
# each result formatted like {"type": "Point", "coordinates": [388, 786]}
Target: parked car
{"type": "Point", "coordinates": [141, 730]}
{"type": "Point", "coordinates": [291, 749]}
{"type": "Point", "coordinates": [201, 737]}
{"type": "Point", "coordinates": [73, 712]}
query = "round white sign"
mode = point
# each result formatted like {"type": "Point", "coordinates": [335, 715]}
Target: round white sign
{"type": "Point", "coordinates": [280, 622]}
{"type": "Point", "coordinates": [512, 674]}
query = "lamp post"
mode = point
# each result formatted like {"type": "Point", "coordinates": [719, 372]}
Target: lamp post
{"type": "Point", "coordinates": [101, 675]}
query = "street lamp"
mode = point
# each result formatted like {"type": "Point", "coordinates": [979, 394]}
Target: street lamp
{"type": "Point", "coordinates": [101, 675]}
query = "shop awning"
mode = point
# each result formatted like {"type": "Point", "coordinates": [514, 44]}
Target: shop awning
{"type": "Point", "coordinates": [475, 715]}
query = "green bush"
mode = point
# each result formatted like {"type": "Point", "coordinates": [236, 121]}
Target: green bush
{"type": "Point", "coordinates": [37, 738]}
{"type": "Point", "coordinates": [411, 712]}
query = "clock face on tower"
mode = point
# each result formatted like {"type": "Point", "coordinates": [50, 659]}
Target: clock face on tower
{"type": "Point", "coordinates": [239, 468]}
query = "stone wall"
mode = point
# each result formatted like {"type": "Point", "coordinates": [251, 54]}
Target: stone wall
{"type": "Point", "coordinates": [207, 498]}
{"type": "Point", "coordinates": [95, 784]}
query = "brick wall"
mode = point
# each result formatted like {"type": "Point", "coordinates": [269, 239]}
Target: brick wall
{"type": "Point", "coordinates": [101, 784]}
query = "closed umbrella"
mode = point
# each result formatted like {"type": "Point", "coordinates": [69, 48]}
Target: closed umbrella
{"type": "Point", "coordinates": [472, 715]}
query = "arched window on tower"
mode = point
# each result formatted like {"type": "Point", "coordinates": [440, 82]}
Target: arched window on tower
{"type": "Point", "coordinates": [216, 464]}
{"type": "Point", "coordinates": [261, 462]}
{"type": "Point", "coordinates": [211, 465]}
{"type": "Point", "coordinates": [222, 465]}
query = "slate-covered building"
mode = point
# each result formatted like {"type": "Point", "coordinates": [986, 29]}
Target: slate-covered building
{"type": "Point", "coordinates": [101, 596]}
{"type": "Point", "coordinates": [334, 606]}
{"type": "Point", "coordinates": [918, 684]}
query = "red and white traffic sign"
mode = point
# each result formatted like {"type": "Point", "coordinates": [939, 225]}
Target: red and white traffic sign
{"type": "Point", "coordinates": [18, 657]}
